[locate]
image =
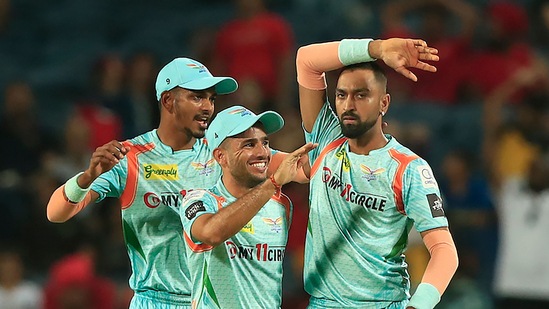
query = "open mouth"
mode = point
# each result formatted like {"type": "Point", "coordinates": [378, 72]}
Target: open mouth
{"type": "Point", "coordinates": [203, 122]}
{"type": "Point", "coordinates": [259, 166]}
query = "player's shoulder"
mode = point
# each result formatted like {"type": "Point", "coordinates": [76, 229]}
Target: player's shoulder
{"type": "Point", "coordinates": [400, 152]}
{"type": "Point", "coordinates": [196, 194]}
{"type": "Point", "coordinates": [282, 199]}
{"type": "Point", "coordinates": [146, 138]}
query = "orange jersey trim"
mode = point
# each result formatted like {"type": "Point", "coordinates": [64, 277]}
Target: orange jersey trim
{"type": "Point", "coordinates": [285, 201]}
{"type": "Point", "coordinates": [403, 160]}
{"type": "Point", "coordinates": [331, 146]}
{"type": "Point", "coordinates": [128, 195]}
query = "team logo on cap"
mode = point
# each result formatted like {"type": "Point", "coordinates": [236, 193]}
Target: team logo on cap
{"type": "Point", "coordinates": [242, 111]}
{"type": "Point", "coordinates": [200, 68]}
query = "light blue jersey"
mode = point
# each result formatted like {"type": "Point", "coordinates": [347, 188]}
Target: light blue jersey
{"type": "Point", "coordinates": [148, 180]}
{"type": "Point", "coordinates": [246, 270]}
{"type": "Point", "coordinates": [361, 210]}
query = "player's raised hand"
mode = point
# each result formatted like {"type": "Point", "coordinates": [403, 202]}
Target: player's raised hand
{"type": "Point", "coordinates": [402, 54]}
{"type": "Point", "coordinates": [105, 158]}
{"type": "Point", "coordinates": [294, 161]}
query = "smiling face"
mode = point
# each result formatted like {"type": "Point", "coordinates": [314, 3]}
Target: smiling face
{"type": "Point", "coordinates": [361, 98]}
{"type": "Point", "coordinates": [192, 110]}
{"type": "Point", "coordinates": [245, 157]}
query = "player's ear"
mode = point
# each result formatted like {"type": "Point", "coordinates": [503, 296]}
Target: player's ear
{"type": "Point", "coordinates": [166, 100]}
{"type": "Point", "coordinates": [220, 155]}
{"type": "Point", "coordinates": [384, 104]}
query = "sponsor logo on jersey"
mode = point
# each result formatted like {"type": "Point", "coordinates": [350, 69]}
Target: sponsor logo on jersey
{"type": "Point", "coordinates": [193, 209]}
{"type": "Point", "coordinates": [427, 178]}
{"type": "Point", "coordinates": [371, 174]}
{"type": "Point", "coordinates": [276, 224]}
{"type": "Point", "coordinates": [161, 171]}
{"type": "Point", "coordinates": [170, 199]}
{"type": "Point", "coordinates": [435, 204]}
{"type": "Point", "coordinates": [345, 162]}
{"type": "Point", "coordinates": [248, 228]}
{"type": "Point", "coordinates": [204, 168]}
{"type": "Point", "coordinates": [349, 194]}
{"type": "Point", "coordinates": [259, 252]}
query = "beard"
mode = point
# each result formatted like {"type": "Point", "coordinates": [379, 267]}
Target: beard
{"type": "Point", "coordinates": [249, 180]}
{"type": "Point", "coordinates": [355, 130]}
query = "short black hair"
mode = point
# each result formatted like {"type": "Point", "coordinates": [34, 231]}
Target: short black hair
{"type": "Point", "coordinates": [379, 73]}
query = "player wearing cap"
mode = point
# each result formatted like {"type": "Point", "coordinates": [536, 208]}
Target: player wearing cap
{"type": "Point", "coordinates": [147, 173]}
{"type": "Point", "coordinates": [237, 230]}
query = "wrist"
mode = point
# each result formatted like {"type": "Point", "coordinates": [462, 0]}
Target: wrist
{"type": "Point", "coordinates": [73, 192]}
{"type": "Point", "coordinates": [278, 188]}
{"type": "Point", "coordinates": [374, 49]}
{"type": "Point", "coordinates": [351, 51]}
{"type": "Point", "coordinates": [425, 297]}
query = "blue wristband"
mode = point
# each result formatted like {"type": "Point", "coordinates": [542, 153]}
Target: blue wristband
{"type": "Point", "coordinates": [425, 297]}
{"type": "Point", "coordinates": [73, 192]}
{"type": "Point", "coordinates": [351, 51]}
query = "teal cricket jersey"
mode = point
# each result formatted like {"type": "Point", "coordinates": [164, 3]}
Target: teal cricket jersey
{"type": "Point", "coordinates": [246, 270]}
{"type": "Point", "coordinates": [361, 210]}
{"type": "Point", "coordinates": [148, 182]}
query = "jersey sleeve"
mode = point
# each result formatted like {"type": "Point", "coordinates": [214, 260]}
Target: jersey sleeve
{"type": "Point", "coordinates": [195, 204]}
{"type": "Point", "coordinates": [325, 130]}
{"type": "Point", "coordinates": [112, 182]}
{"type": "Point", "coordinates": [421, 196]}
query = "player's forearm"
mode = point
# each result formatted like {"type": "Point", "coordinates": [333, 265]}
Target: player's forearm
{"type": "Point", "coordinates": [315, 59]}
{"type": "Point", "coordinates": [440, 269]}
{"type": "Point", "coordinates": [231, 219]}
{"type": "Point", "coordinates": [59, 208]}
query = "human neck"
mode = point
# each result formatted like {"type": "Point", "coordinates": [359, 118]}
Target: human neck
{"type": "Point", "coordinates": [234, 187]}
{"type": "Point", "coordinates": [175, 139]}
{"type": "Point", "coordinates": [372, 140]}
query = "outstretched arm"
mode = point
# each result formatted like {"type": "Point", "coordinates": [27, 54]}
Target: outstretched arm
{"type": "Point", "coordinates": [214, 229]}
{"type": "Point", "coordinates": [314, 60]}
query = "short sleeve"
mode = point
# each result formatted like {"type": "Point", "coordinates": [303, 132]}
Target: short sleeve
{"type": "Point", "coordinates": [195, 204]}
{"type": "Point", "coordinates": [421, 195]}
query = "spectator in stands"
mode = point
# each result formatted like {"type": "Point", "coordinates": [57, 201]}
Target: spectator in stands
{"type": "Point", "coordinates": [503, 51]}
{"type": "Point", "coordinates": [141, 74]}
{"type": "Point", "coordinates": [435, 26]}
{"type": "Point", "coordinates": [257, 49]}
{"type": "Point", "coordinates": [15, 291]}
{"type": "Point", "coordinates": [522, 275]}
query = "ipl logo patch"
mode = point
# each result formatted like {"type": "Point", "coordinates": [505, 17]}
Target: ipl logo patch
{"type": "Point", "coordinates": [200, 68]}
{"type": "Point", "coordinates": [435, 204]}
{"type": "Point", "coordinates": [242, 111]}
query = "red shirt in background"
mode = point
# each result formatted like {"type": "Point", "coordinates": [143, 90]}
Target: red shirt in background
{"type": "Point", "coordinates": [251, 49]}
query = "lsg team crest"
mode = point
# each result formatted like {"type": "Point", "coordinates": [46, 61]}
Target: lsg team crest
{"type": "Point", "coordinates": [204, 168]}
{"type": "Point", "coordinates": [371, 174]}
{"type": "Point", "coordinates": [276, 224]}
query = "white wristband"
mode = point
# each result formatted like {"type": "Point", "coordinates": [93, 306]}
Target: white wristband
{"type": "Point", "coordinates": [351, 51]}
{"type": "Point", "coordinates": [73, 192]}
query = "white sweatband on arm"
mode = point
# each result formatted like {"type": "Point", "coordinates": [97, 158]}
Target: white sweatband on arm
{"type": "Point", "coordinates": [73, 192]}
{"type": "Point", "coordinates": [351, 51]}
{"type": "Point", "coordinates": [425, 297]}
